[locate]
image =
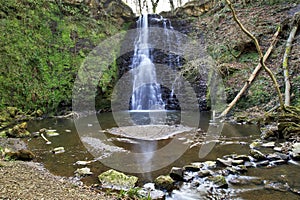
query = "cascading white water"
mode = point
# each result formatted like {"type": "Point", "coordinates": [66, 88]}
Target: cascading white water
{"type": "Point", "coordinates": [146, 90]}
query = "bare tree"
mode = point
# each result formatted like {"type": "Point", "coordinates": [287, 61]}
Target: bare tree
{"type": "Point", "coordinates": [154, 5]}
{"type": "Point", "coordinates": [261, 61]}
{"type": "Point", "coordinates": [172, 5]}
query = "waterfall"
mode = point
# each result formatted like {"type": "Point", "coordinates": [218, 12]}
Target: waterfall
{"type": "Point", "coordinates": [146, 91]}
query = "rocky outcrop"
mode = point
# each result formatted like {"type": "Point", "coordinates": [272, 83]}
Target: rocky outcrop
{"type": "Point", "coordinates": [116, 9]}
{"type": "Point", "coordinates": [191, 9]}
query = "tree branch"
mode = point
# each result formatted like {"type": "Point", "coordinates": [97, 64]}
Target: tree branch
{"type": "Point", "coordinates": [252, 76]}
{"type": "Point", "coordinates": [261, 60]}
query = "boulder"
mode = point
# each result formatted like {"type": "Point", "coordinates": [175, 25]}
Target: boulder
{"type": "Point", "coordinates": [204, 173]}
{"type": "Point", "coordinates": [257, 155]}
{"type": "Point", "coordinates": [191, 168]}
{"type": "Point", "coordinates": [22, 154]}
{"type": "Point", "coordinates": [262, 163]}
{"type": "Point", "coordinates": [117, 180]}
{"type": "Point", "coordinates": [210, 164]}
{"type": "Point", "coordinates": [223, 162]}
{"type": "Point", "coordinates": [164, 183]}
{"type": "Point", "coordinates": [241, 157]}
{"type": "Point", "coordinates": [18, 131]}
{"type": "Point", "coordinates": [219, 181]}
{"type": "Point", "coordinates": [176, 173]}
{"type": "Point", "coordinates": [149, 190]}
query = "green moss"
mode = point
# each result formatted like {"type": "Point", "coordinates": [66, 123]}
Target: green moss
{"type": "Point", "coordinates": [115, 179]}
{"type": "Point", "coordinates": [42, 46]}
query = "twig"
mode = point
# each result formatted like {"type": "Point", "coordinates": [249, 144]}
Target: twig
{"type": "Point", "coordinates": [47, 141]}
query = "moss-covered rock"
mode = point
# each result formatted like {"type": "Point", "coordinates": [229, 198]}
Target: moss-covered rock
{"type": "Point", "coordinates": [22, 154]}
{"type": "Point", "coordinates": [219, 181]}
{"type": "Point", "coordinates": [18, 131]}
{"type": "Point", "coordinates": [164, 183]}
{"type": "Point", "coordinates": [257, 155]}
{"type": "Point", "coordinates": [117, 180]}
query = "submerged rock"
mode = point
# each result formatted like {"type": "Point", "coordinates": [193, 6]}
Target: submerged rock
{"type": "Point", "coordinates": [164, 183]}
{"type": "Point", "coordinates": [117, 180]}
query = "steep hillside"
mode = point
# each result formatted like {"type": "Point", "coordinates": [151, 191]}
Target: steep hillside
{"type": "Point", "coordinates": [43, 43]}
{"type": "Point", "coordinates": [235, 53]}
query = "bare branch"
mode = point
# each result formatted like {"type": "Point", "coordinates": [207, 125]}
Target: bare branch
{"type": "Point", "coordinates": [261, 59]}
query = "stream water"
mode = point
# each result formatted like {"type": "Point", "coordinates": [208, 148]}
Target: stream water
{"type": "Point", "coordinates": [235, 139]}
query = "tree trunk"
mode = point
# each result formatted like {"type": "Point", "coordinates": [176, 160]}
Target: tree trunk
{"type": "Point", "coordinates": [287, 95]}
{"type": "Point", "coordinates": [252, 76]}
{"type": "Point", "coordinates": [261, 57]}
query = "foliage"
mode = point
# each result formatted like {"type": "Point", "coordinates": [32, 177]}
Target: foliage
{"type": "Point", "coordinates": [42, 46]}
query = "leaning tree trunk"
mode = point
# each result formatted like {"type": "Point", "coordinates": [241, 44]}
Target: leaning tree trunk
{"type": "Point", "coordinates": [261, 58]}
{"type": "Point", "coordinates": [295, 23]}
{"type": "Point", "coordinates": [252, 76]}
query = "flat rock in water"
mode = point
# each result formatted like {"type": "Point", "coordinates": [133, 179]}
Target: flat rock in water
{"type": "Point", "coordinates": [149, 132]}
{"type": "Point", "coordinates": [269, 144]}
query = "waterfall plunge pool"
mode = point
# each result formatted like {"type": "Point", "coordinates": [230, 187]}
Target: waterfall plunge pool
{"type": "Point", "coordinates": [235, 139]}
